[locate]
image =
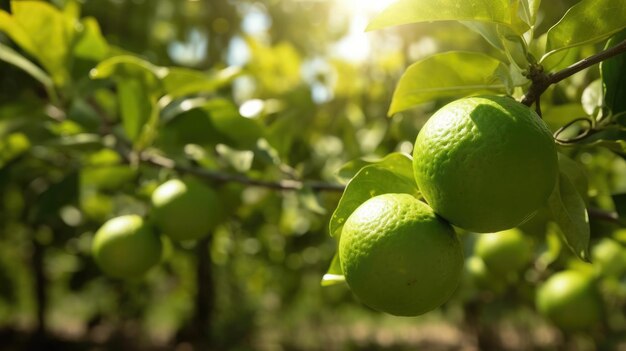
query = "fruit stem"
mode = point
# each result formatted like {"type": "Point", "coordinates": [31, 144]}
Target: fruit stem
{"type": "Point", "coordinates": [541, 81]}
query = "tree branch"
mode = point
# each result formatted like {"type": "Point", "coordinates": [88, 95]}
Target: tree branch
{"type": "Point", "coordinates": [602, 215]}
{"type": "Point", "coordinates": [285, 184]}
{"type": "Point", "coordinates": [541, 81]}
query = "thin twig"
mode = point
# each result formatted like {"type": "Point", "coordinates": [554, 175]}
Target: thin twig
{"type": "Point", "coordinates": [611, 217]}
{"type": "Point", "coordinates": [538, 106]}
{"type": "Point", "coordinates": [588, 131]}
{"type": "Point", "coordinates": [542, 81]}
{"type": "Point", "coordinates": [285, 184]}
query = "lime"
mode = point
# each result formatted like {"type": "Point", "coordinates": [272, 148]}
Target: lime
{"type": "Point", "coordinates": [504, 252]}
{"type": "Point", "coordinates": [609, 258]}
{"type": "Point", "coordinates": [481, 277]}
{"type": "Point", "coordinates": [185, 210]}
{"type": "Point", "coordinates": [485, 163]}
{"type": "Point", "coordinates": [398, 256]}
{"type": "Point", "coordinates": [570, 300]}
{"type": "Point", "coordinates": [126, 247]}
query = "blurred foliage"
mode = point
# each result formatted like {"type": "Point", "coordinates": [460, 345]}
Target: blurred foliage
{"type": "Point", "coordinates": [274, 91]}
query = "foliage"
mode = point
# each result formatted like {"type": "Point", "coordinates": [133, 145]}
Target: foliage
{"type": "Point", "coordinates": [97, 110]}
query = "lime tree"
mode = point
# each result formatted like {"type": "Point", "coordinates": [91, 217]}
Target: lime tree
{"type": "Point", "coordinates": [485, 163]}
{"type": "Point", "coordinates": [398, 256]}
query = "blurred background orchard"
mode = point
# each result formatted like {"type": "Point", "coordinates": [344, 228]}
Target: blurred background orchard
{"type": "Point", "coordinates": [295, 90]}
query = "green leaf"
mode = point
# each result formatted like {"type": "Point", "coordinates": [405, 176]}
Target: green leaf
{"type": "Point", "coordinates": [568, 210]}
{"type": "Point", "coordinates": [613, 73]}
{"type": "Point", "coordinates": [414, 11]}
{"type": "Point", "coordinates": [350, 169]}
{"type": "Point", "coordinates": [575, 173]}
{"type": "Point", "coordinates": [12, 146]}
{"type": "Point", "coordinates": [448, 74]}
{"type": "Point", "coordinates": [515, 47]}
{"type": "Point", "coordinates": [528, 10]}
{"type": "Point", "coordinates": [487, 30]}
{"type": "Point", "coordinates": [504, 39]}
{"type": "Point", "coordinates": [127, 66]}
{"type": "Point", "coordinates": [587, 22]}
{"type": "Point", "coordinates": [138, 88]}
{"type": "Point", "coordinates": [179, 82]}
{"type": "Point", "coordinates": [10, 27]}
{"type": "Point", "coordinates": [334, 275]}
{"type": "Point", "coordinates": [137, 106]}
{"type": "Point", "coordinates": [50, 34]}
{"type": "Point", "coordinates": [612, 138]}
{"type": "Point", "coordinates": [592, 98]}
{"type": "Point", "coordinates": [11, 56]}
{"type": "Point", "coordinates": [242, 131]}
{"type": "Point", "coordinates": [393, 174]}
{"type": "Point", "coordinates": [91, 44]}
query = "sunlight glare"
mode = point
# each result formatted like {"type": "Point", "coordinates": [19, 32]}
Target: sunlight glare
{"type": "Point", "coordinates": [367, 7]}
{"type": "Point", "coordinates": [356, 45]}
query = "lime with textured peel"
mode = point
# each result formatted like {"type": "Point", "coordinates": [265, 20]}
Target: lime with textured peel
{"type": "Point", "coordinates": [398, 256]}
{"type": "Point", "coordinates": [185, 210]}
{"type": "Point", "coordinates": [126, 247]}
{"type": "Point", "coordinates": [571, 301]}
{"type": "Point", "coordinates": [485, 163]}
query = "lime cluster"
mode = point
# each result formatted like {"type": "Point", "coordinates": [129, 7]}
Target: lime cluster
{"type": "Point", "coordinates": [484, 164]}
{"type": "Point", "coordinates": [128, 246]}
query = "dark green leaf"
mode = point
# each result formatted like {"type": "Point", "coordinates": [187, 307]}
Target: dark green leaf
{"type": "Point", "coordinates": [569, 212]}
{"type": "Point", "coordinates": [587, 22]}
{"type": "Point", "coordinates": [55, 196]}
{"type": "Point", "coordinates": [613, 73]}
{"type": "Point", "coordinates": [444, 75]}
{"type": "Point", "coordinates": [226, 119]}
{"type": "Point", "coordinates": [11, 56]}
{"type": "Point", "coordinates": [613, 138]}
{"type": "Point", "coordinates": [575, 173]}
{"type": "Point", "coordinates": [393, 174]}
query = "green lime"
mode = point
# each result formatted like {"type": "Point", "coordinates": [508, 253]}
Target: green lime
{"type": "Point", "coordinates": [609, 258]}
{"type": "Point", "coordinates": [570, 300]}
{"type": "Point", "coordinates": [504, 252]}
{"type": "Point", "coordinates": [185, 210]}
{"type": "Point", "coordinates": [485, 163]}
{"type": "Point", "coordinates": [126, 247]}
{"type": "Point", "coordinates": [398, 256]}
